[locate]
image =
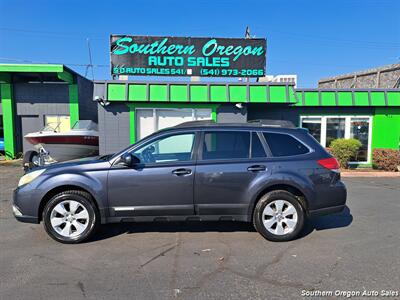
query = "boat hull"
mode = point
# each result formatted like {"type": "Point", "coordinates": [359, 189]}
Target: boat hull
{"type": "Point", "coordinates": [64, 152]}
{"type": "Point", "coordinates": [63, 147]}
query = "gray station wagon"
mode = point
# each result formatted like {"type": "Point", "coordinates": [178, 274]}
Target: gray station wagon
{"type": "Point", "coordinates": [272, 176]}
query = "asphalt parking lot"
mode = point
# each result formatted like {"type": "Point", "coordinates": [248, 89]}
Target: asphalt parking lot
{"type": "Point", "coordinates": [355, 250]}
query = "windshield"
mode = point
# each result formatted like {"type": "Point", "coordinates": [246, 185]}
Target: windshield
{"type": "Point", "coordinates": [54, 126]}
{"type": "Point", "coordinates": [85, 125]}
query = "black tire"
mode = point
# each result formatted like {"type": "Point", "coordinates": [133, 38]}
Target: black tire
{"type": "Point", "coordinates": [86, 201]}
{"type": "Point", "coordinates": [28, 159]}
{"type": "Point", "coordinates": [267, 199]}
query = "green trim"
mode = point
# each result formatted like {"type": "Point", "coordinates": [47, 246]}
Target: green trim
{"type": "Point", "coordinates": [66, 76]}
{"type": "Point", "coordinates": [73, 103]}
{"type": "Point", "coordinates": [386, 128]}
{"type": "Point", "coordinates": [116, 92]}
{"type": "Point", "coordinates": [277, 94]}
{"type": "Point", "coordinates": [328, 99]}
{"type": "Point", "coordinates": [178, 93]}
{"type": "Point", "coordinates": [5, 77]}
{"type": "Point", "coordinates": [7, 104]}
{"type": "Point", "coordinates": [158, 92]}
{"type": "Point", "coordinates": [132, 123]}
{"type": "Point", "coordinates": [134, 106]}
{"type": "Point", "coordinates": [258, 94]}
{"type": "Point", "coordinates": [137, 92]}
{"type": "Point", "coordinates": [218, 93]}
{"type": "Point", "coordinates": [198, 93]}
{"type": "Point", "coordinates": [35, 68]}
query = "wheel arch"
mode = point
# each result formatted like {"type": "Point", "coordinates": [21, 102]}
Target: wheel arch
{"type": "Point", "coordinates": [62, 188]}
{"type": "Point", "coordinates": [291, 188]}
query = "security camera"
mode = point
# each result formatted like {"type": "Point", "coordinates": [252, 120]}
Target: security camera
{"type": "Point", "coordinates": [239, 105]}
{"type": "Point", "coordinates": [101, 101]}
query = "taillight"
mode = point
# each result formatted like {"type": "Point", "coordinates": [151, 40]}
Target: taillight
{"type": "Point", "coordinates": [330, 163]}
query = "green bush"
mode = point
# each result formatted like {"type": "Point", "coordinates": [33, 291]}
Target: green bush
{"type": "Point", "coordinates": [344, 150]}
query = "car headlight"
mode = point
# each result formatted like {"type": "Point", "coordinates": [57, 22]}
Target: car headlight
{"type": "Point", "coordinates": [30, 177]}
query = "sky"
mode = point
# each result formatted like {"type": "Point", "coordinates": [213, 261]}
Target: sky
{"type": "Point", "coordinates": [313, 39]}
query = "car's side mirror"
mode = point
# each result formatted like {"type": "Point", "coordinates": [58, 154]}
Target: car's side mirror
{"type": "Point", "coordinates": [129, 159]}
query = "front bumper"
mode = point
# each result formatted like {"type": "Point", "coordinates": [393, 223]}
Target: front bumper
{"type": "Point", "coordinates": [24, 206]}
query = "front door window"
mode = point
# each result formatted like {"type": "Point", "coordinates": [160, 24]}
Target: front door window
{"type": "Point", "coordinates": [173, 148]}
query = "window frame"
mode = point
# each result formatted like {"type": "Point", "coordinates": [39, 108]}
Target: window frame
{"type": "Point", "coordinates": [264, 144]}
{"type": "Point", "coordinates": [347, 131]}
{"type": "Point", "coordinates": [200, 159]}
{"type": "Point", "coordinates": [193, 155]}
{"type": "Point", "coordinates": [310, 150]}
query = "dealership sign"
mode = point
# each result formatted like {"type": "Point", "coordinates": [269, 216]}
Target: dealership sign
{"type": "Point", "coordinates": [186, 56]}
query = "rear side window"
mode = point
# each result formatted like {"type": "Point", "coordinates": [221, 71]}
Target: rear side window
{"type": "Point", "coordinates": [284, 145]}
{"type": "Point", "coordinates": [226, 145]}
{"type": "Point", "coordinates": [257, 149]}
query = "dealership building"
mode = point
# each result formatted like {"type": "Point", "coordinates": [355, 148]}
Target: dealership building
{"type": "Point", "coordinates": [33, 95]}
{"type": "Point", "coordinates": [130, 110]}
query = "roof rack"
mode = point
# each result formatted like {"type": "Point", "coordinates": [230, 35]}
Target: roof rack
{"type": "Point", "coordinates": [252, 123]}
{"type": "Point", "coordinates": [195, 123]}
{"type": "Point", "coordinates": [273, 123]}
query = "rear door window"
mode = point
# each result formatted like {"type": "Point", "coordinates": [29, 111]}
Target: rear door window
{"type": "Point", "coordinates": [284, 144]}
{"type": "Point", "coordinates": [226, 145]}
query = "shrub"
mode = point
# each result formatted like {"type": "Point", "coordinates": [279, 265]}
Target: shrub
{"type": "Point", "coordinates": [344, 150]}
{"type": "Point", "coordinates": [386, 159]}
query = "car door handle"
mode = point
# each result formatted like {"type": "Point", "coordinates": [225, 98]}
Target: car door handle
{"type": "Point", "coordinates": [181, 172]}
{"type": "Point", "coordinates": [257, 168]}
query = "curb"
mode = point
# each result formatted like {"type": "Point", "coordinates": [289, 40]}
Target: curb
{"type": "Point", "coordinates": [371, 174]}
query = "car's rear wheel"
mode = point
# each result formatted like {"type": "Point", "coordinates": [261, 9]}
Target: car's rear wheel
{"type": "Point", "coordinates": [278, 216]}
{"type": "Point", "coordinates": [70, 217]}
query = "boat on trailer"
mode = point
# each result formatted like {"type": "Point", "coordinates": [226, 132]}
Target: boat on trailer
{"type": "Point", "coordinates": [51, 145]}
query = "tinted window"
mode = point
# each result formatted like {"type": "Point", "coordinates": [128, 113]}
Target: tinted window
{"type": "Point", "coordinates": [257, 149]}
{"type": "Point", "coordinates": [226, 145]}
{"type": "Point", "coordinates": [167, 149]}
{"type": "Point", "coordinates": [284, 145]}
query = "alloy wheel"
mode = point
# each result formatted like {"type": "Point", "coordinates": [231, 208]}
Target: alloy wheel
{"type": "Point", "coordinates": [279, 217]}
{"type": "Point", "coordinates": [69, 218]}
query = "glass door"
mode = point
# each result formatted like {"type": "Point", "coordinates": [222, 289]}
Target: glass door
{"type": "Point", "coordinates": [359, 130]}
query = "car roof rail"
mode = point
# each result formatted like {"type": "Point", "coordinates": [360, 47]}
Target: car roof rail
{"type": "Point", "coordinates": [273, 123]}
{"type": "Point", "coordinates": [195, 123]}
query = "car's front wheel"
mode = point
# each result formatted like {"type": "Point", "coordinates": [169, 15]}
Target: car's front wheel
{"type": "Point", "coordinates": [70, 217]}
{"type": "Point", "coordinates": [278, 216]}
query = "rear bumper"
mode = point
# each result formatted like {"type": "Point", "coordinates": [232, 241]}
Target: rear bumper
{"type": "Point", "coordinates": [326, 211]}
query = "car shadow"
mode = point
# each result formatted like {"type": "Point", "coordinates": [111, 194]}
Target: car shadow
{"type": "Point", "coordinates": [338, 220]}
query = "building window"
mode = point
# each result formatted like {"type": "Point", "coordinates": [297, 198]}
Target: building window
{"type": "Point", "coordinates": [57, 123]}
{"type": "Point", "coordinates": [313, 124]}
{"type": "Point", "coordinates": [334, 129]}
{"type": "Point", "coordinates": [325, 129]}
{"type": "Point", "coordinates": [149, 120]}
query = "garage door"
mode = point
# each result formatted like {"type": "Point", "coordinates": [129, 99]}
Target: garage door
{"type": "Point", "coordinates": [151, 120]}
{"type": "Point", "coordinates": [29, 124]}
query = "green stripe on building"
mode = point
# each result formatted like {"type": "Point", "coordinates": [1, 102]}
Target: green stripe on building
{"type": "Point", "coordinates": [8, 119]}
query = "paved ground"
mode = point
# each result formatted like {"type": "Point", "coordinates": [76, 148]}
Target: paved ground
{"type": "Point", "coordinates": [355, 250]}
